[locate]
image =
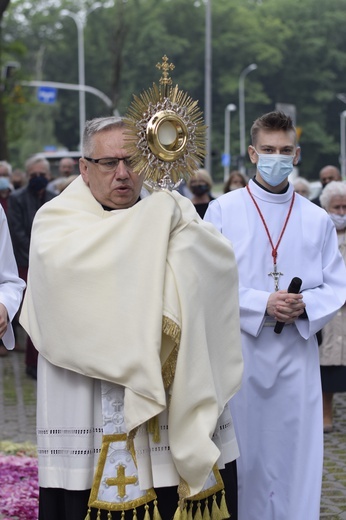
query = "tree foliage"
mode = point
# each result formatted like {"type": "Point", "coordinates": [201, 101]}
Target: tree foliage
{"type": "Point", "coordinates": [299, 48]}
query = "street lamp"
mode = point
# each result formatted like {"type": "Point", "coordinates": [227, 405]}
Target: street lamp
{"type": "Point", "coordinates": [227, 149]}
{"type": "Point", "coordinates": [81, 67]}
{"type": "Point", "coordinates": [80, 21]}
{"type": "Point", "coordinates": [343, 144]}
{"type": "Point", "coordinates": [242, 76]}
{"type": "Point", "coordinates": [207, 84]}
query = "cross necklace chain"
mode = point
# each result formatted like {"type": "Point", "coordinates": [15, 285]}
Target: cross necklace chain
{"type": "Point", "coordinates": [274, 273]}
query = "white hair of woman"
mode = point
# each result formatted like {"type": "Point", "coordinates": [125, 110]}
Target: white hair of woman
{"type": "Point", "coordinates": [332, 189]}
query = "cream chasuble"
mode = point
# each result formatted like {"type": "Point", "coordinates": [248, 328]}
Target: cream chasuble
{"type": "Point", "coordinates": [146, 298]}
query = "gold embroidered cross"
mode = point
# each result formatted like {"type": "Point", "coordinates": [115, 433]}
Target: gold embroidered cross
{"type": "Point", "coordinates": [165, 67]}
{"type": "Point", "coordinates": [121, 481]}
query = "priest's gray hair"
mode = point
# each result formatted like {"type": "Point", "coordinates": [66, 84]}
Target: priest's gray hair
{"type": "Point", "coordinates": [96, 125]}
{"type": "Point", "coordinates": [332, 189]}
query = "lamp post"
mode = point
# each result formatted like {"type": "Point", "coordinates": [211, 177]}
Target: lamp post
{"type": "Point", "coordinates": [227, 149]}
{"type": "Point", "coordinates": [242, 76]}
{"type": "Point", "coordinates": [207, 84]}
{"type": "Point", "coordinates": [81, 68]}
{"type": "Point", "coordinates": [80, 20]}
{"type": "Point", "coordinates": [343, 144]}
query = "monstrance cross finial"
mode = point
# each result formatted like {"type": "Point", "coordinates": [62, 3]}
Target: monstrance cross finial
{"type": "Point", "coordinates": [165, 67]}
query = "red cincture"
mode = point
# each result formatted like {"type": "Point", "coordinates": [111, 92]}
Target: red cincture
{"type": "Point", "coordinates": [275, 273]}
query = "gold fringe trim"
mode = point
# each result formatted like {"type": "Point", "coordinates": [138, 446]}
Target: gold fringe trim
{"type": "Point", "coordinates": [173, 331]}
{"type": "Point", "coordinates": [206, 512]}
{"type": "Point", "coordinates": [155, 516]}
{"type": "Point", "coordinates": [223, 506]}
{"type": "Point", "coordinates": [184, 510]}
{"type": "Point", "coordinates": [177, 514]}
{"type": "Point", "coordinates": [146, 514]}
{"type": "Point", "coordinates": [184, 513]}
{"type": "Point", "coordinates": [198, 514]}
{"type": "Point", "coordinates": [156, 513]}
{"type": "Point", "coordinates": [189, 513]}
{"type": "Point", "coordinates": [154, 428]}
{"type": "Point", "coordinates": [183, 489]}
{"type": "Point", "coordinates": [215, 510]}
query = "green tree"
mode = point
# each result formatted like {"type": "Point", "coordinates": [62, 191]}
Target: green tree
{"type": "Point", "coordinates": [311, 73]}
{"type": "Point", "coordinates": [299, 48]}
{"type": "Point", "coordinates": [3, 135]}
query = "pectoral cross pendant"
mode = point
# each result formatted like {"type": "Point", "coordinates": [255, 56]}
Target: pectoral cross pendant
{"type": "Point", "coordinates": [276, 276]}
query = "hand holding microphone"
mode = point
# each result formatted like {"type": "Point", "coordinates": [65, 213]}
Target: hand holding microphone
{"type": "Point", "coordinates": [294, 287]}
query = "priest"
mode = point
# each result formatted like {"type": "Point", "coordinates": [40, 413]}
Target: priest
{"type": "Point", "coordinates": [278, 236]}
{"type": "Point", "coordinates": [132, 304]}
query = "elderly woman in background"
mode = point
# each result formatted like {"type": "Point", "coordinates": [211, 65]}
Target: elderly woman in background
{"type": "Point", "coordinates": [302, 186]}
{"type": "Point", "coordinates": [333, 347]}
{"type": "Point", "coordinates": [200, 186]}
{"type": "Point", "coordinates": [235, 180]}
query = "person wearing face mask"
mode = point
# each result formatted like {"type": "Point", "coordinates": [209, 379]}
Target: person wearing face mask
{"type": "Point", "coordinates": [5, 190]}
{"type": "Point", "coordinates": [333, 348]}
{"type": "Point", "coordinates": [22, 207]}
{"type": "Point", "coordinates": [278, 235]}
{"type": "Point", "coordinates": [200, 186]}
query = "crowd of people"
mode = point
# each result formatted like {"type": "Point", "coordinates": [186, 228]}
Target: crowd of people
{"type": "Point", "coordinates": [179, 341]}
{"type": "Point", "coordinates": [22, 193]}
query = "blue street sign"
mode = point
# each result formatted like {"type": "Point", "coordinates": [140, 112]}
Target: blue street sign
{"type": "Point", "coordinates": [226, 160]}
{"type": "Point", "coordinates": [47, 95]}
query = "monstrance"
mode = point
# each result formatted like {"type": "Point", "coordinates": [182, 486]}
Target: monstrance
{"type": "Point", "coordinates": [165, 134]}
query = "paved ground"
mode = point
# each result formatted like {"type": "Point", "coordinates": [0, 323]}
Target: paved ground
{"type": "Point", "coordinates": [17, 400]}
{"type": "Point", "coordinates": [17, 423]}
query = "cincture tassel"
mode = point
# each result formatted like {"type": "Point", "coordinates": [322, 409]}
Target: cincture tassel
{"type": "Point", "coordinates": [185, 512]}
{"type": "Point", "coordinates": [155, 516]}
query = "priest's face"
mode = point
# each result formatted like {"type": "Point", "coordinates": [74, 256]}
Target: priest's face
{"type": "Point", "coordinates": [112, 182]}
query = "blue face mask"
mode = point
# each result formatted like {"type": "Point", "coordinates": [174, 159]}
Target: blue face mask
{"type": "Point", "coordinates": [274, 168]}
{"type": "Point", "coordinates": [4, 183]}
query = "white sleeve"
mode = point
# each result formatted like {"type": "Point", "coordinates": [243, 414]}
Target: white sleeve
{"type": "Point", "coordinates": [11, 286]}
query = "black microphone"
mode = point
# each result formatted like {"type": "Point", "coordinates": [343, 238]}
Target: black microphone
{"type": "Point", "coordinates": [294, 287]}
